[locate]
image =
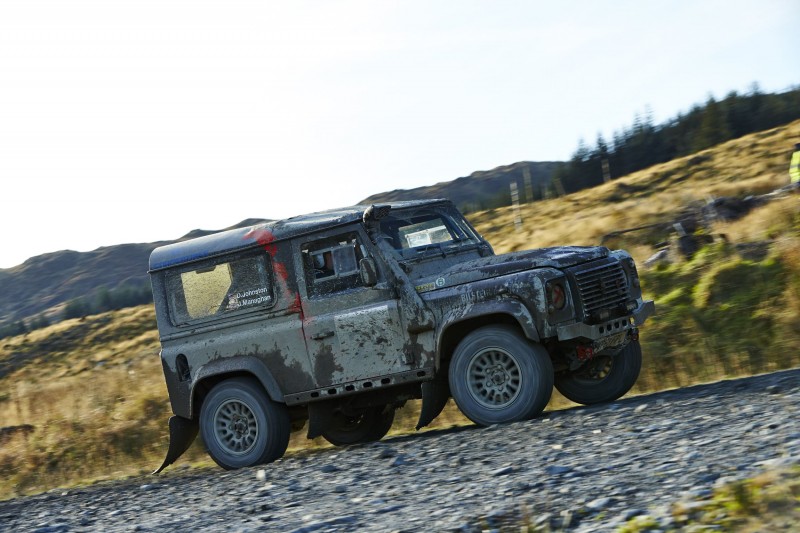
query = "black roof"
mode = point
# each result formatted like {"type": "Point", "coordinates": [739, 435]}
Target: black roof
{"type": "Point", "coordinates": [264, 234]}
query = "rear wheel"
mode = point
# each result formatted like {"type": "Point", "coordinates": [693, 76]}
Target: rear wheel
{"type": "Point", "coordinates": [241, 426]}
{"type": "Point", "coordinates": [368, 426]}
{"type": "Point", "coordinates": [603, 379]}
{"type": "Point", "coordinates": [498, 376]}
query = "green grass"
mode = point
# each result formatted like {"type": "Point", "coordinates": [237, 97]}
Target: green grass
{"type": "Point", "coordinates": [739, 316]}
{"type": "Point", "coordinates": [769, 502]}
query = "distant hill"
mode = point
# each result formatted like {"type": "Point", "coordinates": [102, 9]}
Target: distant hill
{"type": "Point", "coordinates": [43, 284]}
{"type": "Point", "coordinates": [483, 189]}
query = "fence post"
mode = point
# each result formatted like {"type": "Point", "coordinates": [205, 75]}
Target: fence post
{"type": "Point", "coordinates": [515, 203]}
{"type": "Point", "coordinates": [526, 177]}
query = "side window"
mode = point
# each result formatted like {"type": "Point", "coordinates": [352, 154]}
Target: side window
{"type": "Point", "coordinates": [219, 288]}
{"type": "Point", "coordinates": [332, 264]}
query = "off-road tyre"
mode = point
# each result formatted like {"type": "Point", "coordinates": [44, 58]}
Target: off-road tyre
{"type": "Point", "coordinates": [370, 426]}
{"type": "Point", "coordinates": [498, 376]}
{"type": "Point", "coordinates": [603, 379]}
{"type": "Point", "coordinates": [241, 426]}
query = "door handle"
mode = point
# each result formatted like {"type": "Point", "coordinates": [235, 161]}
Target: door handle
{"type": "Point", "coordinates": [322, 335]}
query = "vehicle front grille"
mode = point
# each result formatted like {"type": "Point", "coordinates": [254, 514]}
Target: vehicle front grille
{"type": "Point", "coordinates": [602, 286]}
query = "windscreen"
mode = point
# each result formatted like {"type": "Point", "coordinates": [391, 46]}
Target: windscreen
{"type": "Point", "coordinates": [419, 229]}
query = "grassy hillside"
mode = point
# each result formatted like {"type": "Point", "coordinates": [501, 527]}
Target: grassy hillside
{"type": "Point", "coordinates": [754, 164]}
{"type": "Point", "coordinates": [85, 399]}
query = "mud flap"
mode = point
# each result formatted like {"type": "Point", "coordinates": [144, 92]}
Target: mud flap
{"type": "Point", "coordinates": [434, 397]}
{"type": "Point", "coordinates": [182, 433]}
{"type": "Point", "coordinates": [320, 418]}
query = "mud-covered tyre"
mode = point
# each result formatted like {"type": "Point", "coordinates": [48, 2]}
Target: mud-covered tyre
{"type": "Point", "coordinates": [498, 376]}
{"type": "Point", "coordinates": [370, 426]}
{"type": "Point", "coordinates": [241, 426]}
{"type": "Point", "coordinates": [603, 379]}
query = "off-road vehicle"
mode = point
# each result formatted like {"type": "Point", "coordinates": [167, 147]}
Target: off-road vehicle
{"type": "Point", "coordinates": [336, 319]}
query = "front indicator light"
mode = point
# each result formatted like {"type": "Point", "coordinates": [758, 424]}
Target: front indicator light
{"type": "Point", "coordinates": [556, 297]}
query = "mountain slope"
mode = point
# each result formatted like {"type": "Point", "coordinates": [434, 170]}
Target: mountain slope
{"type": "Point", "coordinates": [43, 284]}
{"type": "Point", "coordinates": [477, 190]}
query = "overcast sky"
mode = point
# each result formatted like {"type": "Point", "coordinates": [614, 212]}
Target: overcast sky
{"type": "Point", "coordinates": [140, 121]}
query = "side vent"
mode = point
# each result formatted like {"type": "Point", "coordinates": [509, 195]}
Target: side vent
{"type": "Point", "coordinates": [182, 365]}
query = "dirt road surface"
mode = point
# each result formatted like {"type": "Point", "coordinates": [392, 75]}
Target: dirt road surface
{"type": "Point", "coordinates": [582, 469]}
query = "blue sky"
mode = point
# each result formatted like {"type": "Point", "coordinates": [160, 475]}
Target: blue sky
{"type": "Point", "coordinates": [139, 121]}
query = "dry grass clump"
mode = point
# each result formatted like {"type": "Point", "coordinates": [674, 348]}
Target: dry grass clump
{"type": "Point", "coordinates": [85, 404]}
{"type": "Point", "coordinates": [766, 222]}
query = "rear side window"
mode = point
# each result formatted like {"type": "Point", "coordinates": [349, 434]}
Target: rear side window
{"type": "Point", "coordinates": [220, 288]}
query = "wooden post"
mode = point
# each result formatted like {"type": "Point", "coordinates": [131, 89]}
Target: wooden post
{"type": "Point", "coordinates": [515, 203]}
{"type": "Point", "coordinates": [606, 171]}
{"type": "Point", "coordinates": [526, 177]}
{"type": "Point", "coordinates": [560, 188]}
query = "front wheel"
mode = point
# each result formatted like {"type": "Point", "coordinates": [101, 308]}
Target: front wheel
{"type": "Point", "coordinates": [603, 379]}
{"type": "Point", "coordinates": [241, 426]}
{"type": "Point", "coordinates": [498, 376]}
{"type": "Point", "coordinates": [368, 426]}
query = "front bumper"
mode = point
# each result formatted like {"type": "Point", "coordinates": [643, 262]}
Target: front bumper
{"type": "Point", "coordinates": [614, 326]}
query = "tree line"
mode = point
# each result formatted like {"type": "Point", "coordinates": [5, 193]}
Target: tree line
{"type": "Point", "coordinates": [104, 299]}
{"type": "Point", "coordinates": [644, 143]}
{"type": "Point", "coordinates": [21, 327]}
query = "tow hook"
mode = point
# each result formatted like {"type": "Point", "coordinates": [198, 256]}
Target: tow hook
{"type": "Point", "coordinates": [584, 352]}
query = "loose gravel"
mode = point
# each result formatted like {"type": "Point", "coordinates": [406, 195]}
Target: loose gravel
{"type": "Point", "coordinates": [582, 469]}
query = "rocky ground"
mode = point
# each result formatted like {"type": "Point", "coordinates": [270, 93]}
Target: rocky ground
{"type": "Point", "coordinates": [580, 470]}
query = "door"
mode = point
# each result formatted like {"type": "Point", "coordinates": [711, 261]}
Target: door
{"type": "Point", "coordinates": [353, 332]}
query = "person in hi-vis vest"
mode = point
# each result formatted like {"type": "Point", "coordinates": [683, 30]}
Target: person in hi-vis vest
{"type": "Point", "coordinates": [794, 166]}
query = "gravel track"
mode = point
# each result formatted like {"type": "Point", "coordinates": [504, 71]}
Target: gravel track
{"type": "Point", "coordinates": [582, 469]}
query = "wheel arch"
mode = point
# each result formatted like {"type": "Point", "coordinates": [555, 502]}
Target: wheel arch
{"type": "Point", "coordinates": [215, 372]}
{"type": "Point", "coordinates": [512, 313]}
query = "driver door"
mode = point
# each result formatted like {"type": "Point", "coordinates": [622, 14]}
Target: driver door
{"type": "Point", "coordinates": [353, 332]}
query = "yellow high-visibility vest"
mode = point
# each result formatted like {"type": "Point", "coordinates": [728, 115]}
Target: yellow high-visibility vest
{"type": "Point", "coordinates": [794, 167]}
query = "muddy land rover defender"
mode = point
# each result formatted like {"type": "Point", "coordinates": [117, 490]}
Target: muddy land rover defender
{"type": "Point", "coordinates": [338, 318]}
